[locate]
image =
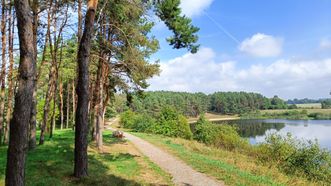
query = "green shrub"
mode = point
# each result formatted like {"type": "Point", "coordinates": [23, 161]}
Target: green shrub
{"type": "Point", "coordinates": [224, 135]}
{"type": "Point", "coordinates": [143, 123]}
{"type": "Point", "coordinates": [297, 157]}
{"type": "Point", "coordinates": [171, 123]}
{"type": "Point", "coordinates": [127, 119]}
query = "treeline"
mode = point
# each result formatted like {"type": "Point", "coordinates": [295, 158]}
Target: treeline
{"type": "Point", "coordinates": [193, 104]}
{"type": "Point", "coordinates": [304, 101]}
{"type": "Point", "coordinates": [326, 104]}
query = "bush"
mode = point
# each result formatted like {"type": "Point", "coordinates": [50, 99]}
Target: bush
{"type": "Point", "coordinates": [171, 123]}
{"type": "Point", "coordinates": [297, 157]}
{"type": "Point", "coordinates": [127, 119]}
{"type": "Point", "coordinates": [143, 123]}
{"type": "Point", "coordinates": [224, 135]}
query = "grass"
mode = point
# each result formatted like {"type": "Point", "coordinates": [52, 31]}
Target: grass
{"type": "Point", "coordinates": [310, 111]}
{"type": "Point", "coordinates": [310, 105]}
{"type": "Point", "coordinates": [233, 168]}
{"type": "Point", "coordinates": [119, 164]}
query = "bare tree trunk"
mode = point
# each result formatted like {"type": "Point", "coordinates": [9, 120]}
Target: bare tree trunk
{"type": "Point", "coordinates": [32, 121]}
{"type": "Point", "coordinates": [80, 21]}
{"type": "Point", "coordinates": [73, 104]}
{"type": "Point", "coordinates": [10, 72]}
{"type": "Point", "coordinates": [68, 105]}
{"type": "Point", "coordinates": [3, 67]}
{"type": "Point", "coordinates": [81, 132]}
{"type": "Point", "coordinates": [99, 104]}
{"type": "Point", "coordinates": [53, 122]}
{"type": "Point", "coordinates": [18, 139]}
{"type": "Point", "coordinates": [61, 104]}
{"type": "Point", "coordinates": [92, 111]}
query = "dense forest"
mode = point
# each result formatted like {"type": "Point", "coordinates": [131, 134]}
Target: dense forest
{"type": "Point", "coordinates": [193, 104]}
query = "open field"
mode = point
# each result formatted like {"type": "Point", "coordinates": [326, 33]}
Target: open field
{"type": "Point", "coordinates": [310, 105]}
{"type": "Point", "coordinates": [215, 117]}
{"type": "Point", "coordinates": [119, 164]}
{"type": "Point", "coordinates": [231, 167]}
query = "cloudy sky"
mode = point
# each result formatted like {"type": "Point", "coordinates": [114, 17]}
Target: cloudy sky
{"type": "Point", "coordinates": [275, 47]}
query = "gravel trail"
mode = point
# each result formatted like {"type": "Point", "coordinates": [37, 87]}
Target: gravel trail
{"type": "Point", "coordinates": [182, 173]}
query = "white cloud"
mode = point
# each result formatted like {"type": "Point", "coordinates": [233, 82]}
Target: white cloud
{"type": "Point", "coordinates": [193, 8]}
{"type": "Point", "coordinates": [325, 43]}
{"type": "Point", "coordinates": [202, 72]}
{"type": "Point", "coordinates": [262, 45]}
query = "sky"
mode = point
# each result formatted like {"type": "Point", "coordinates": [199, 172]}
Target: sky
{"type": "Point", "coordinates": [274, 47]}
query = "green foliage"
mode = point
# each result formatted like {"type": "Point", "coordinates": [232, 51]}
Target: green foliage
{"type": "Point", "coordinates": [326, 104]}
{"type": "Point", "coordinates": [297, 157]}
{"type": "Point", "coordinates": [286, 114]}
{"type": "Point", "coordinates": [224, 136]}
{"type": "Point", "coordinates": [127, 119]}
{"type": "Point", "coordinates": [184, 32]}
{"type": "Point", "coordinates": [188, 104]}
{"type": "Point", "coordinates": [171, 123]}
{"type": "Point", "coordinates": [168, 123]}
{"type": "Point", "coordinates": [144, 123]}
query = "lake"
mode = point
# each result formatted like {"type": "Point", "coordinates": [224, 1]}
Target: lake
{"type": "Point", "coordinates": [256, 130]}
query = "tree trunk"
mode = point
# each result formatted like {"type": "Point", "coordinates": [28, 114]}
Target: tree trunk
{"type": "Point", "coordinates": [61, 105]}
{"type": "Point", "coordinates": [81, 131]}
{"type": "Point", "coordinates": [80, 20]}
{"type": "Point", "coordinates": [32, 121]}
{"type": "Point", "coordinates": [53, 122]}
{"type": "Point", "coordinates": [68, 105]}
{"type": "Point", "coordinates": [73, 104]}
{"type": "Point", "coordinates": [10, 72]}
{"type": "Point", "coordinates": [18, 139]}
{"type": "Point", "coordinates": [3, 67]}
{"type": "Point", "coordinates": [99, 105]}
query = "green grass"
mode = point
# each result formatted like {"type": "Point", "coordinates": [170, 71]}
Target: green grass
{"type": "Point", "coordinates": [52, 164]}
{"type": "Point", "coordinates": [233, 168]}
{"type": "Point", "coordinates": [301, 113]}
{"type": "Point", "coordinates": [310, 105]}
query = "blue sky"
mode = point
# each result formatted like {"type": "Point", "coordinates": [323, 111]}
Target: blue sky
{"type": "Point", "coordinates": [275, 47]}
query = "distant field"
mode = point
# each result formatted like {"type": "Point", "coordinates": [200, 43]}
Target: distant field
{"type": "Point", "coordinates": [309, 105]}
{"type": "Point", "coordinates": [215, 117]}
{"type": "Point", "coordinates": [315, 110]}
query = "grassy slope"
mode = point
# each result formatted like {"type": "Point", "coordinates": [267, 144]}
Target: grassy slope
{"type": "Point", "coordinates": [119, 164]}
{"type": "Point", "coordinates": [231, 167]}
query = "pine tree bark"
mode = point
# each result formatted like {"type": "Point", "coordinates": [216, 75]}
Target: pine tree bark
{"type": "Point", "coordinates": [98, 107]}
{"type": "Point", "coordinates": [81, 132]}
{"type": "Point", "coordinates": [10, 72]}
{"type": "Point", "coordinates": [61, 105]}
{"type": "Point", "coordinates": [18, 139]}
{"type": "Point", "coordinates": [32, 121]}
{"type": "Point", "coordinates": [3, 67]}
{"type": "Point", "coordinates": [68, 105]}
{"type": "Point", "coordinates": [73, 93]}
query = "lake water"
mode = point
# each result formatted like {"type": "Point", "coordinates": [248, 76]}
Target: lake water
{"type": "Point", "coordinates": [256, 130]}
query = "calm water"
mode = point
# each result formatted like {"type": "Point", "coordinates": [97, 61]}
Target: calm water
{"type": "Point", "coordinates": [256, 130]}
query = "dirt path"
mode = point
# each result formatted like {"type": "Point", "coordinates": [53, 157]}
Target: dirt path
{"type": "Point", "coordinates": [182, 173]}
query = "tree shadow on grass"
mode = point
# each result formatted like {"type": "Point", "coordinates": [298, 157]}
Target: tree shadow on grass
{"type": "Point", "coordinates": [52, 164]}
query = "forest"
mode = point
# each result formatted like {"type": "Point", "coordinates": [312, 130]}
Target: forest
{"type": "Point", "coordinates": [62, 62]}
{"type": "Point", "coordinates": [193, 104]}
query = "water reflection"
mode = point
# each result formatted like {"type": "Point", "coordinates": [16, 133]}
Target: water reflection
{"type": "Point", "coordinates": [256, 130]}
